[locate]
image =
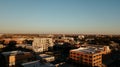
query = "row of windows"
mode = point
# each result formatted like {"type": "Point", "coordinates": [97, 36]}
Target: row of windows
{"type": "Point", "coordinates": [90, 60]}
{"type": "Point", "coordinates": [97, 55]}
{"type": "Point", "coordinates": [80, 54]}
{"type": "Point", "coordinates": [94, 59]}
{"type": "Point", "coordinates": [94, 64]}
{"type": "Point", "coordinates": [73, 53]}
{"type": "Point", "coordinates": [86, 58]}
{"type": "Point", "coordinates": [97, 63]}
{"type": "Point", "coordinates": [75, 56]}
{"type": "Point", "coordinates": [97, 59]}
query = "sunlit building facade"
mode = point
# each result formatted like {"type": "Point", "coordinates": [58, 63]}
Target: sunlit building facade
{"type": "Point", "coordinates": [42, 44]}
{"type": "Point", "coordinates": [87, 56]}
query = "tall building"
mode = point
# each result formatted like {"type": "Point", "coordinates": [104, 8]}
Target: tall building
{"type": "Point", "coordinates": [87, 56]}
{"type": "Point", "coordinates": [42, 44]}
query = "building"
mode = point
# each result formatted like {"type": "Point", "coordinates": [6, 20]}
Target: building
{"type": "Point", "coordinates": [81, 36]}
{"type": "Point", "coordinates": [46, 58]}
{"type": "Point", "coordinates": [42, 44]}
{"type": "Point", "coordinates": [13, 58]}
{"type": "Point", "coordinates": [37, 64]}
{"type": "Point", "coordinates": [106, 50]}
{"type": "Point", "coordinates": [18, 40]}
{"type": "Point", "coordinates": [88, 56]}
{"type": "Point", "coordinates": [1, 46]}
{"type": "Point", "coordinates": [67, 39]}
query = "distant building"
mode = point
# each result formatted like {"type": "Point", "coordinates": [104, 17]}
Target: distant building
{"type": "Point", "coordinates": [18, 40]}
{"type": "Point", "coordinates": [67, 39]}
{"type": "Point", "coordinates": [1, 46]}
{"type": "Point", "coordinates": [106, 50]}
{"type": "Point", "coordinates": [26, 46]}
{"type": "Point", "coordinates": [1, 35]}
{"type": "Point", "coordinates": [42, 44]}
{"type": "Point", "coordinates": [81, 36]}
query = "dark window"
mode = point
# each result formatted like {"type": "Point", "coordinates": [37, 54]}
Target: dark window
{"type": "Point", "coordinates": [90, 56]}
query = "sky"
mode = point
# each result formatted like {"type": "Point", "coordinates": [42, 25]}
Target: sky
{"type": "Point", "coordinates": [60, 16]}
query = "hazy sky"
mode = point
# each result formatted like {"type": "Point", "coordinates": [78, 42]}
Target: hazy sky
{"type": "Point", "coordinates": [60, 16]}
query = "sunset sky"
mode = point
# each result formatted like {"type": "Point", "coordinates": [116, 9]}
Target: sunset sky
{"type": "Point", "coordinates": [60, 16]}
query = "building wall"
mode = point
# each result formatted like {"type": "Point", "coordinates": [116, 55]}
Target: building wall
{"type": "Point", "coordinates": [86, 58]}
{"type": "Point", "coordinates": [42, 44]}
{"type": "Point", "coordinates": [12, 59]}
{"type": "Point", "coordinates": [106, 50]}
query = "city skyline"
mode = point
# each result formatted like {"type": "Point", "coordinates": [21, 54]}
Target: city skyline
{"type": "Point", "coordinates": [60, 16]}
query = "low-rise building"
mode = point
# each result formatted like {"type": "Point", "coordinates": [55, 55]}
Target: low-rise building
{"type": "Point", "coordinates": [15, 57]}
{"type": "Point", "coordinates": [37, 64]}
{"type": "Point", "coordinates": [87, 56]}
{"type": "Point", "coordinates": [1, 46]}
{"type": "Point", "coordinates": [46, 58]}
{"type": "Point", "coordinates": [106, 50]}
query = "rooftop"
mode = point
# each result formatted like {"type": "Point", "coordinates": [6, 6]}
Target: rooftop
{"type": "Point", "coordinates": [37, 64]}
{"type": "Point", "coordinates": [45, 55]}
{"type": "Point", "coordinates": [14, 52]}
{"type": "Point", "coordinates": [89, 49]}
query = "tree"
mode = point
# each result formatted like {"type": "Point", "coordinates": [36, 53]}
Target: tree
{"type": "Point", "coordinates": [11, 46]}
{"type": "Point", "coordinates": [27, 41]}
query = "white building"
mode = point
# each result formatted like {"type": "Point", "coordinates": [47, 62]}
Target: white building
{"type": "Point", "coordinates": [81, 36]}
{"type": "Point", "coordinates": [42, 44]}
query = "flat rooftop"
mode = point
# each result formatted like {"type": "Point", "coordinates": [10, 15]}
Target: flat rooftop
{"type": "Point", "coordinates": [14, 52]}
{"type": "Point", "coordinates": [37, 64]}
{"type": "Point", "coordinates": [89, 49]}
{"type": "Point", "coordinates": [45, 55]}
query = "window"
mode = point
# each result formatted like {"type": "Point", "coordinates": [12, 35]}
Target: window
{"type": "Point", "coordinates": [90, 63]}
{"type": "Point", "coordinates": [86, 59]}
{"type": "Point", "coordinates": [77, 56]}
{"type": "Point", "coordinates": [94, 64]}
{"type": "Point", "coordinates": [85, 55]}
{"type": "Point", "coordinates": [73, 53]}
{"type": "Point", "coordinates": [90, 60]}
{"type": "Point", "coordinates": [90, 56]}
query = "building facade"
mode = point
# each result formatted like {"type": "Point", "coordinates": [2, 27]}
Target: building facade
{"type": "Point", "coordinates": [87, 56]}
{"type": "Point", "coordinates": [42, 44]}
{"type": "Point", "coordinates": [13, 58]}
{"type": "Point", "coordinates": [46, 57]}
